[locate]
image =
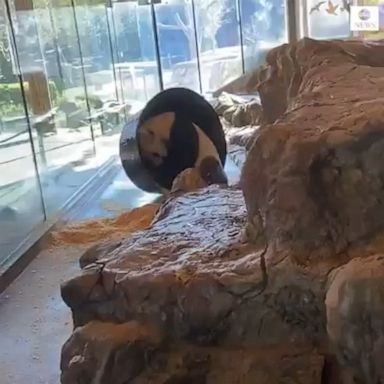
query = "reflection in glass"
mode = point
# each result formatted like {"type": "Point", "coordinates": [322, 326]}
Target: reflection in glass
{"type": "Point", "coordinates": [107, 108]}
{"type": "Point", "coordinates": [218, 38]}
{"type": "Point", "coordinates": [136, 65]}
{"type": "Point", "coordinates": [327, 19]}
{"type": "Point", "coordinates": [111, 25]}
{"type": "Point", "coordinates": [50, 61]}
{"type": "Point", "coordinates": [20, 199]}
{"type": "Point", "coordinates": [264, 27]}
{"type": "Point", "coordinates": [96, 52]}
{"type": "Point", "coordinates": [177, 42]}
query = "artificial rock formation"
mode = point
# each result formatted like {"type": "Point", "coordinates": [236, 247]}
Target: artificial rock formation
{"type": "Point", "coordinates": [200, 295]}
{"type": "Point", "coordinates": [314, 176]}
{"type": "Point", "coordinates": [313, 181]}
{"type": "Point", "coordinates": [261, 284]}
{"type": "Point", "coordinates": [238, 112]}
{"type": "Point", "coordinates": [134, 353]}
{"type": "Point", "coordinates": [188, 181]}
{"type": "Point", "coordinates": [355, 304]}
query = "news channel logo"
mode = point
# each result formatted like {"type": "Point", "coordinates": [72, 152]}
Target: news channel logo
{"type": "Point", "coordinates": [364, 14]}
{"type": "Point", "coordinates": [365, 18]}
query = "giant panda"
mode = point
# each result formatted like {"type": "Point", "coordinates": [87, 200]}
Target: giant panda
{"type": "Point", "coordinates": [179, 129]}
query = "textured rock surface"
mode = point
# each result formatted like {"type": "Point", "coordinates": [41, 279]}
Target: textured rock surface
{"type": "Point", "coordinates": [193, 276]}
{"type": "Point", "coordinates": [188, 181]}
{"type": "Point", "coordinates": [237, 111]}
{"type": "Point", "coordinates": [288, 66]}
{"type": "Point", "coordinates": [133, 353]}
{"type": "Point", "coordinates": [238, 154]}
{"type": "Point", "coordinates": [315, 177]}
{"type": "Point", "coordinates": [239, 140]}
{"type": "Point", "coordinates": [313, 182]}
{"type": "Point", "coordinates": [108, 353]}
{"type": "Point", "coordinates": [288, 263]}
{"type": "Point", "coordinates": [99, 250]}
{"type": "Point", "coordinates": [247, 114]}
{"type": "Point", "coordinates": [240, 136]}
{"type": "Point", "coordinates": [176, 261]}
{"type": "Point", "coordinates": [355, 322]}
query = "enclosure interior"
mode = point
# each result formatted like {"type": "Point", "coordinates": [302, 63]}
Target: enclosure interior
{"type": "Point", "coordinates": [74, 72]}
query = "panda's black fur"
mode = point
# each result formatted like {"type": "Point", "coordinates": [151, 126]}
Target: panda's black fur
{"type": "Point", "coordinates": [192, 106]}
{"type": "Point", "coordinates": [172, 125]}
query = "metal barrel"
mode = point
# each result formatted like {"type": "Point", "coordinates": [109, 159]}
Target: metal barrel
{"type": "Point", "coordinates": [132, 164]}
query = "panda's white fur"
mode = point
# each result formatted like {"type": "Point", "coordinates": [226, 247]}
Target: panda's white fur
{"type": "Point", "coordinates": [206, 147]}
{"type": "Point", "coordinates": [154, 135]}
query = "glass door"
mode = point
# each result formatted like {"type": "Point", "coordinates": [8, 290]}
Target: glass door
{"type": "Point", "coordinates": [21, 207]}
{"type": "Point", "coordinates": [177, 44]}
{"type": "Point", "coordinates": [136, 63]}
{"type": "Point", "coordinates": [219, 43]}
{"type": "Point", "coordinates": [264, 26]}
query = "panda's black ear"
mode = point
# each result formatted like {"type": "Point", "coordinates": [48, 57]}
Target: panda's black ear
{"type": "Point", "coordinates": [184, 142]}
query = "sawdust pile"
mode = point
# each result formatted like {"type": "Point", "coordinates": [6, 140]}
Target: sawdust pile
{"type": "Point", "coordinates": [95, 230]}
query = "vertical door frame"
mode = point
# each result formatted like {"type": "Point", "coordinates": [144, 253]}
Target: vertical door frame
{"type": "Point", "coordinates": [107, 5]}
{"type": "Point", "coordinates": [292, 14]}
{"type": "Point", "coordinates": [116, 48]}
{"type": "Point", "coordinates": [73, 5]}
{"type": "Point", "coordinates": [157, 47]}
{"type": "Point", "coordinates": [197, 46]}
{"type": "Point", "coordinates": [240, 27]}
{"type": "Point", "coordinates": [25, 106]}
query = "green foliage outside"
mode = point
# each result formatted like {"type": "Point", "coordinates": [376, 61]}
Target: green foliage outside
{"type": "Point", "coordinates": [6, 73]}
{"type": "Point", "coordinates": [11, 100]}
{"type": "Point", "coordinates": [11, 110]}
{"type": "Point", "coordinates": [12, 92]}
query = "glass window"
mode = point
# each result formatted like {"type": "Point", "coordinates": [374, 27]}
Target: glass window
{"type": "Point", "coordinates": [51, 65]}
{"type": "Point", "coordinates": [111, 25]}
{"type": "Point", "coordinates": [21, 207]}
{"type": "Point", "coordinates": [136, 64]}
{"type": "Point", "coordinates": [218, 36]}
{"type": "Point", "coordinates": [96, 53]}
{"type": "Point", "coordinates": [106, 102]}
{"type": "Point", "coordinates": [177, 42]}
{"type": "Point", "coordinates": [327, 19]}
{"type": "Point", "coordinates": [264, 27]}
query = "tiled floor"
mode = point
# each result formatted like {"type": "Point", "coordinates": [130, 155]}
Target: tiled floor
{"type": "Point", "coordinates": [34, 321]}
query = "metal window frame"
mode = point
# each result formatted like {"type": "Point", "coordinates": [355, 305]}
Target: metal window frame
{"type": "Point", "coordinates": [73, 5]}
{"type": "Point", "coordinates": [293, 30]}
{"type": "Point", "coordinates": [25, 106]}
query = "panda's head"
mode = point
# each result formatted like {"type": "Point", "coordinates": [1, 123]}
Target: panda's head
{"type": "Point", "coordinates": [170, 142]}
{"type": "Point", "coordinates": [153, 138]}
